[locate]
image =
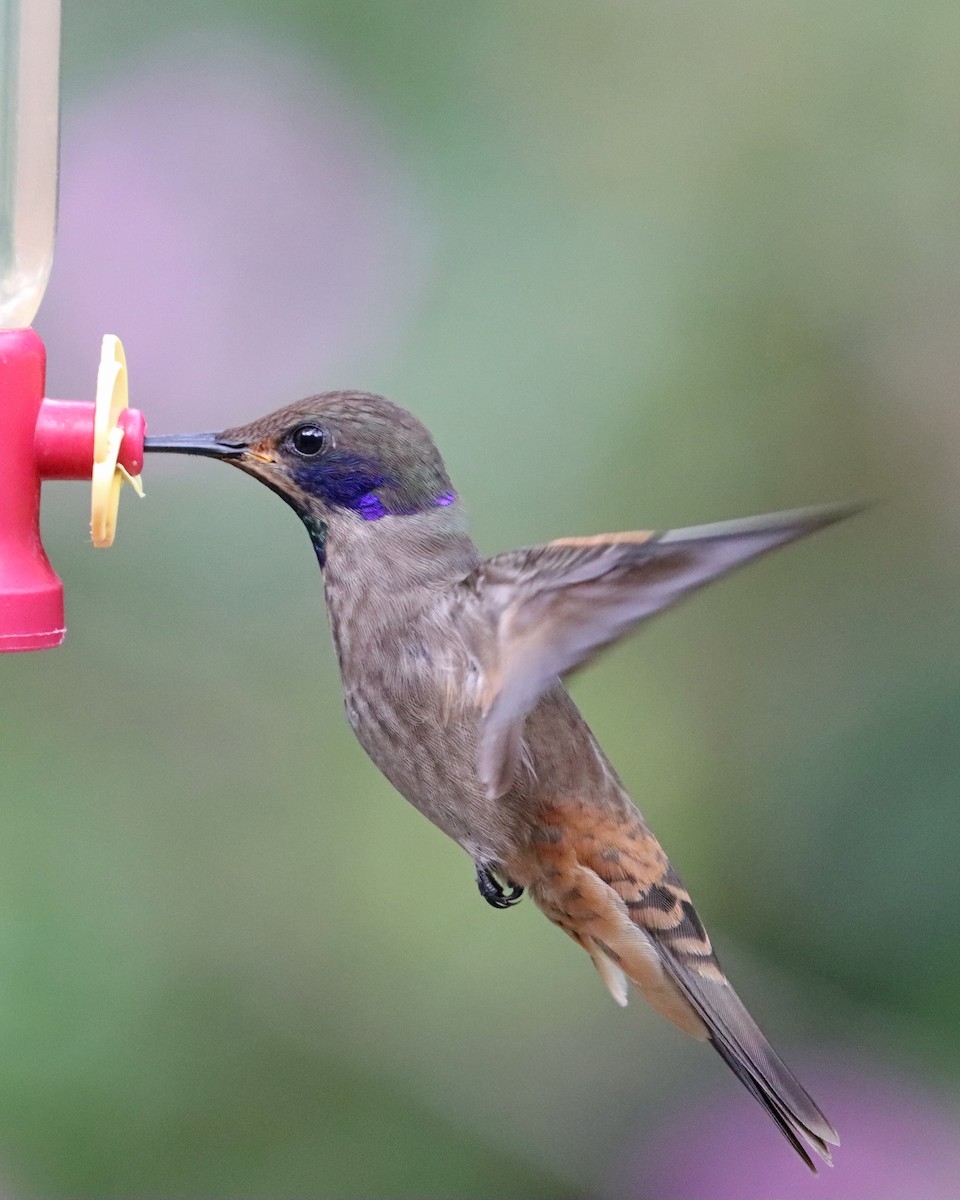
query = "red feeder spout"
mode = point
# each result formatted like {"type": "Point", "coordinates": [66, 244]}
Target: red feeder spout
{"type": "Point", "coordinates": [40, 439]}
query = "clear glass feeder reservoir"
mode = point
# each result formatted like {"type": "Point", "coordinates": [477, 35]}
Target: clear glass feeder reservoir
{"type": "Point", "coordinates": [29, 142]}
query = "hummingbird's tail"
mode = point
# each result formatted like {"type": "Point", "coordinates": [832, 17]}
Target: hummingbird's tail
{"type": "Point", "coordinates": [737, 1039]}
{"type": "Point", "coordinates": [604, 879]}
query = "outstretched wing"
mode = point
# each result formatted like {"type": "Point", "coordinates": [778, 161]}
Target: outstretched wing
{"type": "Point", "coordinates": [556, 605]}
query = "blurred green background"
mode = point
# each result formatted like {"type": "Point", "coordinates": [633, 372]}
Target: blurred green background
{"type": "Point", "coordinates": [635, 264]}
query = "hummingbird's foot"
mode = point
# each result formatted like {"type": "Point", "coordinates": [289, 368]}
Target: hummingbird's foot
{"type": "Point", "coordinates": [492, 890]}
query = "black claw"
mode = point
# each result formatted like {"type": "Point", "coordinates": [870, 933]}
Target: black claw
{"type": "Point", "coordinates": [492, 890]}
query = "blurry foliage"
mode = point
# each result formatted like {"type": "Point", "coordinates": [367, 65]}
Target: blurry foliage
{"type": "Point", "coordinates": [689, 262]}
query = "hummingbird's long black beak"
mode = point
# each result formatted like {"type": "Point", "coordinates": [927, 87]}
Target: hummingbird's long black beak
{"type": "Point", "coordinates": [208, 445]}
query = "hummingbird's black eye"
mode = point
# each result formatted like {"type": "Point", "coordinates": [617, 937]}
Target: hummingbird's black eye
{"type": "Point", "coordinates": [308, 440]}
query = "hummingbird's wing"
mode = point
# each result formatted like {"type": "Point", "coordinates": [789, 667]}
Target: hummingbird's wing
{"type": "Point", "coordinates": [602, 876]}
{"type": "Point", "coordinates": [556, 605]}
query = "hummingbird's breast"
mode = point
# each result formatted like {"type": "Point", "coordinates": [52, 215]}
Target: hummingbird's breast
{"type": "Point", "coordinates": [411, 696]}
{"type": "Point", "coordinates": [409, 682]}
{"type": "Point", "coordinates": [410, 654]}
{"type": "Point", "coordinates": [412, 693]}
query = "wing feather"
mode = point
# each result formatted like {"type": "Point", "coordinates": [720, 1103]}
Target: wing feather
{"type": "Point", "coordinates": [556, 605]}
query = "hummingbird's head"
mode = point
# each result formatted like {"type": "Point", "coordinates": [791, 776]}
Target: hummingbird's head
{"type": "Point", "coordinates": [348, 455]}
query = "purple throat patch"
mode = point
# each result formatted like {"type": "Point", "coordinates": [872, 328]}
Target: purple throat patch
{"type": "Point", "coordinates": [371, 508]}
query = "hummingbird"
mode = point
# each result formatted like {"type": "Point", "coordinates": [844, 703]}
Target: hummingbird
{"type": "Point", "coordinates": [452, 667]}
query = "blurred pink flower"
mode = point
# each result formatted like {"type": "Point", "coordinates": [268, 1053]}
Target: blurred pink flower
{"type": "Point", "coordinates": [898, 1142]}
{"type": "Point", "coordinates": [240, 222]}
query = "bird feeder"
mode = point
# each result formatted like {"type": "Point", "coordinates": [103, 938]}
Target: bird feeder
{"type": "Point", "coordinates": [40, 438]}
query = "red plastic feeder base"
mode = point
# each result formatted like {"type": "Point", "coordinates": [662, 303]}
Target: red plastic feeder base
{"type": "Point", "coordinates": [31, 594]}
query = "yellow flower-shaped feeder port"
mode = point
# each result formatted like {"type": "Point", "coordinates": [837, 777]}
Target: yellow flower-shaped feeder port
{"type": "Point", "coordinates": [108, 473]}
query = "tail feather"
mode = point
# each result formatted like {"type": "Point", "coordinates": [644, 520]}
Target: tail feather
{"type": "Point", "coordinates": [605, 880]}
{"type": "Point", "coordinates": [742, 1046]}
{"type": "Point", "coordinates": [733, 1033]}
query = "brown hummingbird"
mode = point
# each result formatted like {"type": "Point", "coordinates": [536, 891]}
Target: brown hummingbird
{"type": "Point", "coordinates": [452, 669]}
